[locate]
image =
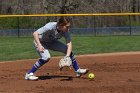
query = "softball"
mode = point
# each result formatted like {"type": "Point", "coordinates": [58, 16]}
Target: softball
{"type": "Point", "coordinates": [91, 75]}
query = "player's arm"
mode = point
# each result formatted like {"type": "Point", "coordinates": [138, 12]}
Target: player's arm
{"type": "Point", "coordinates": [69, 43]}
{"type": "Point", "coordinates": [69, 48]}
{"type": "Point", "coordinates": [41, 30]}
{"type": "Point", "coordinates": [36, 38]}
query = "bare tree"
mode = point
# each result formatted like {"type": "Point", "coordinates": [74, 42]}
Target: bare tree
{"type": "Point", "coordinates": [74, 6]}
{"type": "Point", "coordinates": [60, 6]}
{"type": "Point", "coordinates": [0, 6]}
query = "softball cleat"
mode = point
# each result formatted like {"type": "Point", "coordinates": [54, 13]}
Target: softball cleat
{"type": "Point", "coordinates": [80, 72]}
{"type": "Point", "coordinates": [30, 76]}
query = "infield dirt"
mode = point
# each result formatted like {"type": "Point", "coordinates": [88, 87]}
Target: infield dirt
{"type": "Point", "coordinates": [115, 73]}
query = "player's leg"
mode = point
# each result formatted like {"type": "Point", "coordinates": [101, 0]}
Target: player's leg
{"type": "Point", "coordinates": [44, 58]}
{"type": "Point", "coordinates": [78, 70]}
{"type": "Point", "coordinates": [59, 46]}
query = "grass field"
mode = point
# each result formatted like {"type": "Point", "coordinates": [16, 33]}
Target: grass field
{"type": "Point", "coordinates": [14, 48]}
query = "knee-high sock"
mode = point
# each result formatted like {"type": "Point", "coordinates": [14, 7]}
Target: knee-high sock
{"type": "Point", "coordinates": [37, 65]}
{"type": "Point", "coordinates": [74, 62]}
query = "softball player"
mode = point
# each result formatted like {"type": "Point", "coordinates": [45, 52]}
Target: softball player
{"type": "Point", "coordinates": [47, 38]}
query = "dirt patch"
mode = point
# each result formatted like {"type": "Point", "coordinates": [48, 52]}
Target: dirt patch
{"type": "Point", "coordinates": [115, 73]}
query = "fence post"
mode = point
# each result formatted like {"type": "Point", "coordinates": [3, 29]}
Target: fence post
{"type": "Point", "coordinates": [94, 26]}
{"type": "Point", "coordinates": [18, 28]}
{"type": "Point", "coordinates": [130, 27]}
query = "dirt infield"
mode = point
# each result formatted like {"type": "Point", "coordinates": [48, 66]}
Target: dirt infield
{"type": "Point", "coordinates": [115, 73]}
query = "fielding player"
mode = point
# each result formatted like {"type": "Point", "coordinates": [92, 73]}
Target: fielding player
{"type": "Point", "coordinates": [46, 38]}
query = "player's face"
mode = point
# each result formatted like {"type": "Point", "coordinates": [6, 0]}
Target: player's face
{"type": "Point", "coordinates": [64, 28]}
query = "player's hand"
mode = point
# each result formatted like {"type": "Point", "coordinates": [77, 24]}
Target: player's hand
{"type": "Point", "coordinates": [40, 48]}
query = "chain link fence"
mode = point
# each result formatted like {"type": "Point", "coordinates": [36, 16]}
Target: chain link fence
{"type": "Point", "coordinates": [80, 25]}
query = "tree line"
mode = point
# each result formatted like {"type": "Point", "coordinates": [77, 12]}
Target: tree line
{"type": "Point", "coordinates": [76, 6]}
{"type": "Point", "coordinates": [68, 6]}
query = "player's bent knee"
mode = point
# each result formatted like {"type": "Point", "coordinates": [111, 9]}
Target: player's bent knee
{"type": "Point", "coordinates": [46, 59]}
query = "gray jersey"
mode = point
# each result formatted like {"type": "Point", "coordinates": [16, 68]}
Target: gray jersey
{"type": "Point", "coordinates": [49, 33]}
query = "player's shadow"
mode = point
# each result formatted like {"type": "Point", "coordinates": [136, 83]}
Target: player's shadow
{"type": "Point", "coordinates": [64, 78]}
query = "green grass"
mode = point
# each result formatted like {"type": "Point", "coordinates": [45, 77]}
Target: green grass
{"type": "Point", "coordinates": [106, 44]}
{"type": "Point", "coordinates": [14, 48]}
